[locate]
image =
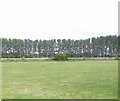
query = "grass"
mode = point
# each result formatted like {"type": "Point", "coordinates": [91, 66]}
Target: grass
{"type": "Point", "coordinates": [60, 80]}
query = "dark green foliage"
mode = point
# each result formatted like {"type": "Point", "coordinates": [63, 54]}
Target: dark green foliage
{"type": "Point", "coordinates": [60, 57]}
{"type": "Point", "coordinates": [25, 55]}
{"type": "Point", "coordinates": [28, 56]}
{"type": "Point", "coordinates": [67, 54]}
{"type": "Point", "coordinates": [117, 57]}
{"type": "Point", "coordinates": [104, 46]}
{"type": "Point", "coordinates": [11, 55]}
{"type": "Point", "coordinates": [31, 56]}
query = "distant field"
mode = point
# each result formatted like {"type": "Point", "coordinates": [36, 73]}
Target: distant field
{"type": "Point", "coordinates": [60, 80]}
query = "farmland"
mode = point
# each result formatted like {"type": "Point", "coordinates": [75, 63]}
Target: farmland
{"type": "Point", "coordinates": [93, 79]}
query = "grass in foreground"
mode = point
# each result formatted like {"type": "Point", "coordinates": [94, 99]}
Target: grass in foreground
{"type": "Point", "coordinates": [60, 80]}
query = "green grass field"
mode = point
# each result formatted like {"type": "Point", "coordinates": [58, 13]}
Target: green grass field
{"type": "Point", "coordinates": [60, 80]}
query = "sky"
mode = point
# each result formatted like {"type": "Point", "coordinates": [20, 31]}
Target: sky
{"type": "Point", "coordinates": [58, 19]}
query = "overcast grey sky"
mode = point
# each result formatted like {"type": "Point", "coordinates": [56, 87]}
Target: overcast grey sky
{"type": "Point", "coordinates": [58, 19]}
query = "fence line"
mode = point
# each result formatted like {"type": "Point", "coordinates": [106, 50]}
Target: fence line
{"type": "Point", "coordinates": [93, 58]}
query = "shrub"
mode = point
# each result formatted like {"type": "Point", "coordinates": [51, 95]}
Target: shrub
{"type": "Point", "coordinates": [67, 54]}
{"type": "Point", "coordinates": [60, 57]}
{"type": "Point", "coordinates": [11, 56]}
{"type": "Point", "coordinates": [83, 58]}
{"type": "Point", "coordinates": [117, 57]}
{"type": "Point", "coordinates": [31, 56]}
{"type": "Point", "coordinates": [25, 55]}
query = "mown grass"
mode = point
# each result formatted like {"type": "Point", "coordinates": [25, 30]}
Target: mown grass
{"type": "Point", "coordinates": [60, 80]}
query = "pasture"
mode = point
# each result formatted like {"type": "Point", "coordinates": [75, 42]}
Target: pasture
{"type": "Point", "coordinates": [93, 79]}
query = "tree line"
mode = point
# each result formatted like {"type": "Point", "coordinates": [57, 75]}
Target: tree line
{"type": "Point", "coordinates": [103, 46]}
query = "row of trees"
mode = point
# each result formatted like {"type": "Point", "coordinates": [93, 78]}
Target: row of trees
{"type": "Point", "coordinates": [95, 47]}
